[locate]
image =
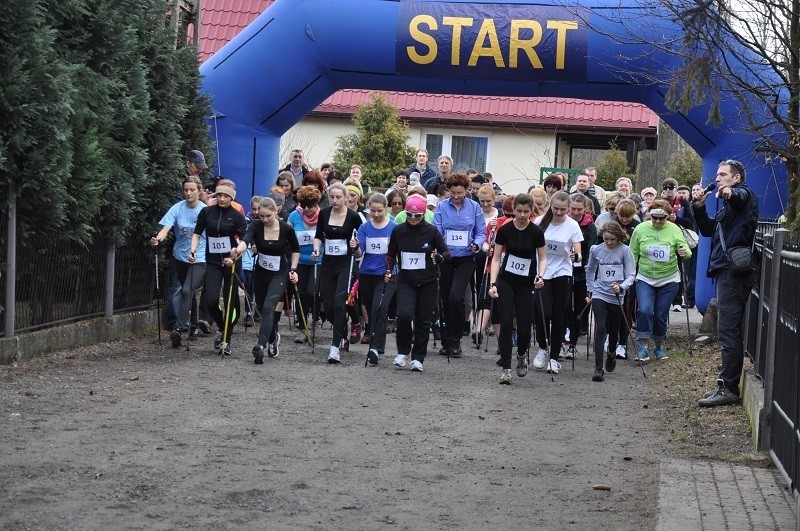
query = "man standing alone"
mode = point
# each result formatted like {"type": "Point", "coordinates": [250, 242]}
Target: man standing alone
{"type": "Point", "coordinates": [734, 225]}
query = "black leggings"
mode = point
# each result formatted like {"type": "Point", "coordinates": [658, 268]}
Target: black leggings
{"type": "Point", "coordinates": [578, 305]}
{"type": "Point", "coordinates": [371, 288]}
{"type": "Point", "coordinates": [190, 277]}
{"type": "Point", "coordinates": [334, 285]}
{"type": "Point", "coordinates": [514, 300]}
{"type": "Point", "coordinates": [417, 305]}
{"type": "Point", "coordinates": [269, 287]}
{"type": "Point", "coordinates": [607, 317]}
{"type": "Point", "coordinates": [555, 296]}
{"type": "Point", "coordinates": [455, 277]}
{"type": "Point", "coordinates": [218, 278]}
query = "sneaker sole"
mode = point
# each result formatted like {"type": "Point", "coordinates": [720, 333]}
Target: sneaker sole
{"type": "Point", "coordinates": [372, 358]}
{"type": "Point", "coordinates": [414, 369]}
{"type": "Point", "coordinates": [204, 327]}
{"type": "Point", "coordinates": [332, 361]}
{"type": "Point", "coordinates": [505, 382]}
{"type": "Point", "coordinates": [597, 378]}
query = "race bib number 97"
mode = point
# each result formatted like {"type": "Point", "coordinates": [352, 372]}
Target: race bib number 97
{"type": "Point", "coordinates": [609, 272]}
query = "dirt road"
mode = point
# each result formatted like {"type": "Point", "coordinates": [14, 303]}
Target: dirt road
{"type": "Point", "coordinates": [137, 435]}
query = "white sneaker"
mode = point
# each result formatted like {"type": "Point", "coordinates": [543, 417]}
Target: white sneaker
{"type": "Point", "coordinates": [676, 307]}
{"type": "Point", "coordinates": [566, 335]}
{"type": "Point", "coordinates": [272, 349]}
{"type": "Point", "coordinates": [333, 355]}
{"type": "Point", "coordinates": [554, 367]}
{"type": "Point", "coordinates": [622, 352]}
{"type": "Point", "coordinates": [505, 379]}
{"type": "Point", "coordinates": [570, 353]}
{"type": "Point", "coordinates": [416, 366]}
{"type": "Point", "coordinates": [539, 360]}
{"type": "Point", "coordinates": [400, 360]}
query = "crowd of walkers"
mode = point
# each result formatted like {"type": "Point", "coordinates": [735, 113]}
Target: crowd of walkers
{"type": "Point", "coordinates": [440, 253]}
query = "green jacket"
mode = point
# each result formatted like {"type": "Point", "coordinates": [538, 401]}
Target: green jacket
{"type": "Point", "coordinates": [655, 251]}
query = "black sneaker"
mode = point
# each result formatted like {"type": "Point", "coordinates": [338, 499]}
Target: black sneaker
{"type": "Point", "coordinates": [258, 354]}
{"type": "Point", "coordinates": [194, 334]}
{"type": "Point", "coordinates": [598, 375]}
{"type": "Point", "coordinates": [372, 356]}
{"type": "Point", "coordinates": [175, 337]}
{"type": "Point", "coordinates": [257, 318]}
{"type": "Point", "coordinates": [444, 351]}
{"type": "Point", "coordinates": [272, 351]}
{"type": "Point", "coordinates": [456, 352]}
{"type": "Point", "coordinates": [355, 333]}
{"type": "Point", "coordinates": [611, 362]}
{"type": "Point", "coordinates": [248, 321]}
{"type": "Point", "coordinates": [522, 365]}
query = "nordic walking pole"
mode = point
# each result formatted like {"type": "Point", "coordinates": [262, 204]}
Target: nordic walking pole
{"type": "Point", "coordinates": [314, 314]}
{"type": "Point", "coordinates": [588, 333]}
{"type": "Point", "coordinates": [191, 278]}
{"type": "Point", "coordinates": [546, 334]}
{"type": "Point", "coordinates": [224, 345]}
{"type": "Point", "coordinates": [302, 313]}
{"type": "Point", "coordinates": [253, 306]}
{"type": "Point", "coordinates": [630, 333]}
{"type": "Point", "coordinates": [685, 306]}
{"type": "Point", "coordinates": [158, 297]}
{"type": "Point", "coordinates": [380, 303]}
{"type": "Point", "coordinates": [346, 336]}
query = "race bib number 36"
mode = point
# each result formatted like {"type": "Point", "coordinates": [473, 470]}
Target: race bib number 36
{"type": "Point", "coordinates": [335, 247]}
{"type": "Point", "coordinates": [457, 238]}
{"type": "Point", "coordinates": [412, 260]}
{"type": "Point", "coordinates": [219, 245]}
{"type": "Point", "coordinates": [658, 253]}
{"type": "Point", "coordinates": [518, 266]}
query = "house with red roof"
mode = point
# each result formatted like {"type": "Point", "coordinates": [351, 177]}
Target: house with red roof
{"type": "Point", "coordinates": [512, 137]}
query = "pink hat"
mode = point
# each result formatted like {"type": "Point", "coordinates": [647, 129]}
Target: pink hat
{"type": "Point", "coordinates": [416, 203]}
{"type": "Point", "coordinates": [649, 190]}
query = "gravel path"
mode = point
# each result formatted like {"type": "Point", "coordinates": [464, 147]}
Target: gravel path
{"type": "Point", "coordinates": [133, 435]}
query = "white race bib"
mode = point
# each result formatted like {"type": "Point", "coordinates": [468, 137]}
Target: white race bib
{"type": "Point", "coordinates": [518, 266]}
{"type": "Point", "coordinates": [305, 237]}
{"type": "Point", "coordinates": [269, 262]}
{"type": "Point", "coordinates": [377, 245]}
{"type": "Point", "coordinates": [412, 260]}
{"type": "Point", "coordinates": [554, 248]}
{"type": "Point", "coordinates": [219, 245]}
{"type": "Point", "coordinates": [609, 272]}
{"type": "Point", "coordinates": [658, 253]}
{"type": "Point", "coordinates": [457, 238]}
{"type": "Point", "coordinates": [336, 247]}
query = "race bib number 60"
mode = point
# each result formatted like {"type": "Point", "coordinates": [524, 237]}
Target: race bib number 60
{"type": "Point", "coordinates": [658, 253]}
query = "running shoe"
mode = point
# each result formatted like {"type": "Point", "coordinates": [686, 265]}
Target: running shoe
{"type": "Point", "coordinates": [540, 359]}
{"type": "Point", "coordinates": [641, 354]}
{"type": "Point", "coordinates": [175, 337]}
{"type": "Point", "coordinates": [622, 352]}
{"type": "Point", "coordinates": [301, 338]}
{"type": "Point", "coordinates": [522, 365]}
{"type": "Point", "coordinates": [660, 354]}
{"type": "Point", "coordinates": [217, 340]}
{"type": "Point", "coordinates": [355, 333]}
{"type": "Point", "coordinates": [456, 352]}
{"type": "Point", "coordinates": [505, 379]}
{"type": "Point", "coordinates": [400, 360]}
{"type": "Point", "coordinates": [367, 339]}
{"type": "Point", "coordinates": [204, 327]}
{"type": "Point", "coordinates": [258, 354]}
{"type": "Point", "coordinates": [416, 366]}
{"type": "Point", "coordinates": [598, 375]}
{"type": "Point", "coordinates": [676, 307]}
{"type": "Point", "coordinates": [248, 321]}
{"type": "Point", "coordinates": [333, 356]}
{"type": "Point", "coordinates": [272, 352]}
{"type": "Point", "coordinates": [570, 353]}
{"type": "Point", "coordinates": [373, 356]}
{"type": "Point", "coordinates": [554, 367]}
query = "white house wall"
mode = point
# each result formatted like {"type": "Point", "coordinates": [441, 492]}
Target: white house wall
{"type": "Point", "coordinates": [514, 157]}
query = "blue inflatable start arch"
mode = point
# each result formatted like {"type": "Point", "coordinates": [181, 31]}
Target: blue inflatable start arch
{"type": "Point", "coordinates": [299, 52]}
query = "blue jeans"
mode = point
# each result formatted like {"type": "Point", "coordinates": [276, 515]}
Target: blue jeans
{"type": "Point", "coordinates": [654, 305]}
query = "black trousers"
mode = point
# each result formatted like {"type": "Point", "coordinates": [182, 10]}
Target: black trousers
{"type": "Point", "coordinates": [371, 288]}
{"type": "Point", "coordinates": [607, 317]}
{"type": "Point", "coordinates": [190, 277]}
{"type": "Point", "coordinates": [334, 285]}
{"type": "Point", "coordinates": [515, 299]}
{"type": "Point", "coordinates": [415, 305]}
{"type": "Point", "coordinates": [218, 279]}
{"type": "Point", "coordinates": [573, 310]}
{"type": "Point", "coordinates": [732, 294]}
{"type": "Point", "coordinates": [455, 277]}
{"type": "Point", "coordinates": [555, 296]}
{"type": "Point", "coordinates": [270, 287]}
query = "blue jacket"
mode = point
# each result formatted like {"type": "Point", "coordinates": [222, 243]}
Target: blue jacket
{"type": "Point", "coordinates": [738, 218]}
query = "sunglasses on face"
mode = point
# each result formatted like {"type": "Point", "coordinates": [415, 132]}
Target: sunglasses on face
{"type": "Point", "coordinates": [669, 187]}
{"type": "Point", "coordinates": [414, 215]}
{"type": "Point", "coordinates": [658, 218]}
{"type": "Point", "coordinates": [307, 205]}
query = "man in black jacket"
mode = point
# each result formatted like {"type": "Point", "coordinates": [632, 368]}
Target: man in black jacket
{"type": "Point", "coordinates": [422, 167]}
{"type": "Point", "coordinates": [736, 223]}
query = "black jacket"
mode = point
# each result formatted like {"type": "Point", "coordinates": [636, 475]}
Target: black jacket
{"type": "Point", "coordinates": [420, 238]}
{"type": "Point", "coordinates": [424, 176]}
{"type": "Point", "coordinates": [738, 218]}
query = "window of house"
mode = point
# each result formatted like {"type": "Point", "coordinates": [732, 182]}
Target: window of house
{"type": "Point", "coordinates": [466, 151]}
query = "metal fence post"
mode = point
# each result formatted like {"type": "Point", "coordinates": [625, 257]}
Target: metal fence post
{"type": "Point", "coordinates": [11, 260]}
{"type": "Point", "coordinates": [109, 306]}
{"type": "Point", "coordinates": [778, 241]}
